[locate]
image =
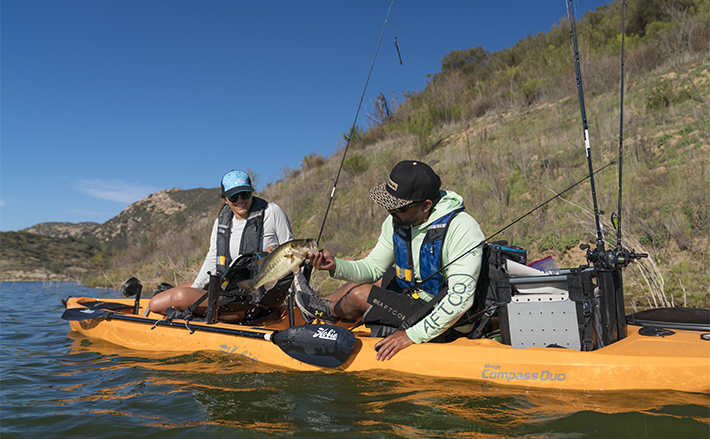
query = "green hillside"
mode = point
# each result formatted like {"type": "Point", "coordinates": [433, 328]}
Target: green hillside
{"type": "Point", "coordinates": [504, 130]}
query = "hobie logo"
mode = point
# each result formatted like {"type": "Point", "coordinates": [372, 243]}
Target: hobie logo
{"type": "Point", "coordinates": [88, 311]}
{"type": "Point", "coordinates": [326, 334]}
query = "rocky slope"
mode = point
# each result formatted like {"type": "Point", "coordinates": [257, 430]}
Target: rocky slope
{"type": "Point", "coordinates": [71, 252]}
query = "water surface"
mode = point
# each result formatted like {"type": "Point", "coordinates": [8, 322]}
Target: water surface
{"type": "Point", "coordinates": [58, 384]}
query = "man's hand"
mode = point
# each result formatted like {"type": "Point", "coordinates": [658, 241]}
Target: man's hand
{"type": "Point", "coordinates": [389, 346]}
{"type": "Point", "coordinates": [322, 260]}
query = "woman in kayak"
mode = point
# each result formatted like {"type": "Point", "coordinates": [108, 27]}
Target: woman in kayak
{"type": "Point", "coordinates": [246, 225]}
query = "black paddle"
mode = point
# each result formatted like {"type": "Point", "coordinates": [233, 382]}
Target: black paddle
{"type": "Point", "coordinates": [320, 345]}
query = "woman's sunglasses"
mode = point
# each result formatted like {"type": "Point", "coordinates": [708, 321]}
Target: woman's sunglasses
{"type": "Point", "coordinates": [243, 195]}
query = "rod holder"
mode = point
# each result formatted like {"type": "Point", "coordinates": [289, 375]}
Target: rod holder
{"type": "Point", "coordinates": [213, 298]}
{"type": "Point", "coordinates": [133, 287]}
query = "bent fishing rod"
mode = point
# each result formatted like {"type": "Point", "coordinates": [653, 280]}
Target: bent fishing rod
{"type": "Point", "coordinates": [417, 284]}
{"type": "Point", "coordinates": [352, 129]}
{"type": "Point", "coordinates": [307, 270]}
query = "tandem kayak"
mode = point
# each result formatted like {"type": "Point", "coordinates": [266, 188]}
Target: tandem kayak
{"type": "Point", "coordinates": [650, 357]}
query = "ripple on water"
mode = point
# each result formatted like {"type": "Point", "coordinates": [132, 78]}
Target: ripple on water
{"type": "Point", "coordinates": [57, 383]}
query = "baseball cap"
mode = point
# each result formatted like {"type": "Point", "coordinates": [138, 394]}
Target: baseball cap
{"type": "Point", "coordinates": [408, 182]}
{"type": "Point", "coordinates": [236, 181]}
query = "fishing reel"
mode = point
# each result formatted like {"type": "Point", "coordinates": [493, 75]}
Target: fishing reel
{"type": "Point", "coordinates": [610, 259]}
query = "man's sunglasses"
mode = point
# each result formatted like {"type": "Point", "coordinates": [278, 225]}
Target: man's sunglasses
{"type": "Point", "coordinates": [243, 195]}
{"type": "Point", "coordinates": [406, 208]}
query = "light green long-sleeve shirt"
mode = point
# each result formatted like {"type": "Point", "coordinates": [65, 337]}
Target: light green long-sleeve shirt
{"type": "Point", "coordinates": [463, 234]}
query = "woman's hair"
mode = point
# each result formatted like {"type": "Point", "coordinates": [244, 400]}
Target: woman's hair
{"type": "Point", "coordinates": [221, 204]}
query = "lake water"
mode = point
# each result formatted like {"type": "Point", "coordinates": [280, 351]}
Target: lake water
{"type": "Point", "coordinates": [59, 384]}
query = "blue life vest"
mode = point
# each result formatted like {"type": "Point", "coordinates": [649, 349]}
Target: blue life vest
{"type": "Point", "coordinates": [429, 255]}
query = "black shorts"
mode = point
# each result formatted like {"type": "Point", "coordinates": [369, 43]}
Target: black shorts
{"type": "Point", "coordinates": [390, 305]}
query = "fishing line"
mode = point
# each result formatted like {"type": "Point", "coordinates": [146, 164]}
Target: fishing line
{"type": "Point", "coordinates": [580, 92]}
{"type": "Point", "coordinates": [416, 284]}
{"type": "Point", "coordinates": [616, 219]}
{"type": "Point", "coordinates": [352, 129]}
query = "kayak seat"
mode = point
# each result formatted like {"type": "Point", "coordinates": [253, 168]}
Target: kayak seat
{"type": "Point", "coordinates": [690, 319]}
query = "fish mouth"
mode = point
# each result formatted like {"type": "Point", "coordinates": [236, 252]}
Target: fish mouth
{"type": "Point", "coordinates": [302, 250]}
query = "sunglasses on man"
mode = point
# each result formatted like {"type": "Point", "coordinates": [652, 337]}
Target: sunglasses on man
{"type": "Point", "coordinates": [407, 207]}
{"type": "Point", "coordinates": [243, 195]}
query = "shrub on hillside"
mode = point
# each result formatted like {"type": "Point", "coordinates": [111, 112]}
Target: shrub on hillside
{"type": "Point", "coordinates": [356, 164]}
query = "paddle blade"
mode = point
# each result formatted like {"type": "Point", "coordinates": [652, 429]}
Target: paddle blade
{"type": "Point", "coordinates": [79, 314]}
{"type": "Point", "coordinates": [320, 345]}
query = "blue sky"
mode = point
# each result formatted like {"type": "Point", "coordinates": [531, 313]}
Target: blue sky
{"type": "Point", "coordinates": [104, 102]}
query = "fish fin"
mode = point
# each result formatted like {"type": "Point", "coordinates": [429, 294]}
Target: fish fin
{"type": "Point", "coordinates": [260, 263]}
{"type": "Point", "coordinates": [270, 285]}
{"type": "Point", "coordinates": [246, 285]}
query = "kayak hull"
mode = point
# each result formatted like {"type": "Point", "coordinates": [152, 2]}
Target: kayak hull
{"type": "Point", "coordinates": [680, 361]}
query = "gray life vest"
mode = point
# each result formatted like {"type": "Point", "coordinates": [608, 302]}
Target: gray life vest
{"type": "Point", "coordinates": [251, 235]}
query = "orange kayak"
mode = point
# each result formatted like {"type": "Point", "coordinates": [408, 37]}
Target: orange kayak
{"type": "Point", "coordinates": [677, 361]}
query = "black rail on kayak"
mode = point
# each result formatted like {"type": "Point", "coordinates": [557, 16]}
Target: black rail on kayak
{"type": "Point", "coordinates": [319, 345]}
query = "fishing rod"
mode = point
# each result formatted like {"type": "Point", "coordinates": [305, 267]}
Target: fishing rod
{"type": "Point", "coordinates": [417, 284]}
{"type": "Point", "coordinates": [580, 91]}
{"type": "Point", "coordinates": [352, 129]}
{"type": "Point", "coordinates": [616, 218]}
{"type": "Point", "coordinates": [619, 257]}
{"type": "Point", "coordinates": [608, 309]}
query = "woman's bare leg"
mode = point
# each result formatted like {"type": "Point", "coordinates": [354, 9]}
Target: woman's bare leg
{"type": "Point", "coordinates": [162, 301]}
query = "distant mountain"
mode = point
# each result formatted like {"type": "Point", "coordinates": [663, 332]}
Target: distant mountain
{"type": "Point", "coordinates": [33, 257]}
{"type": "Point", "coordinates": [60, 251]}
{"type": "Point", "coordinates": [158, 213]}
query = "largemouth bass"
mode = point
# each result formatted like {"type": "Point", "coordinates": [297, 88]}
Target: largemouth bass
{"type": "Point", "coordinates": [285, 259]}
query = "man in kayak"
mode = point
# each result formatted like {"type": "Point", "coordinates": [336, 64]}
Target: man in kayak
{"type": "Point", "coordinates": [425, 231]}
{"type": "Point", "coordinates": [246, 225]}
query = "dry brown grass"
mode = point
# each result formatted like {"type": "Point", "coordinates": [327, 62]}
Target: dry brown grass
{"type": "Point", "coordinates": [507, 162]}
{"type": "Point", "coordinates": [508, 140]}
